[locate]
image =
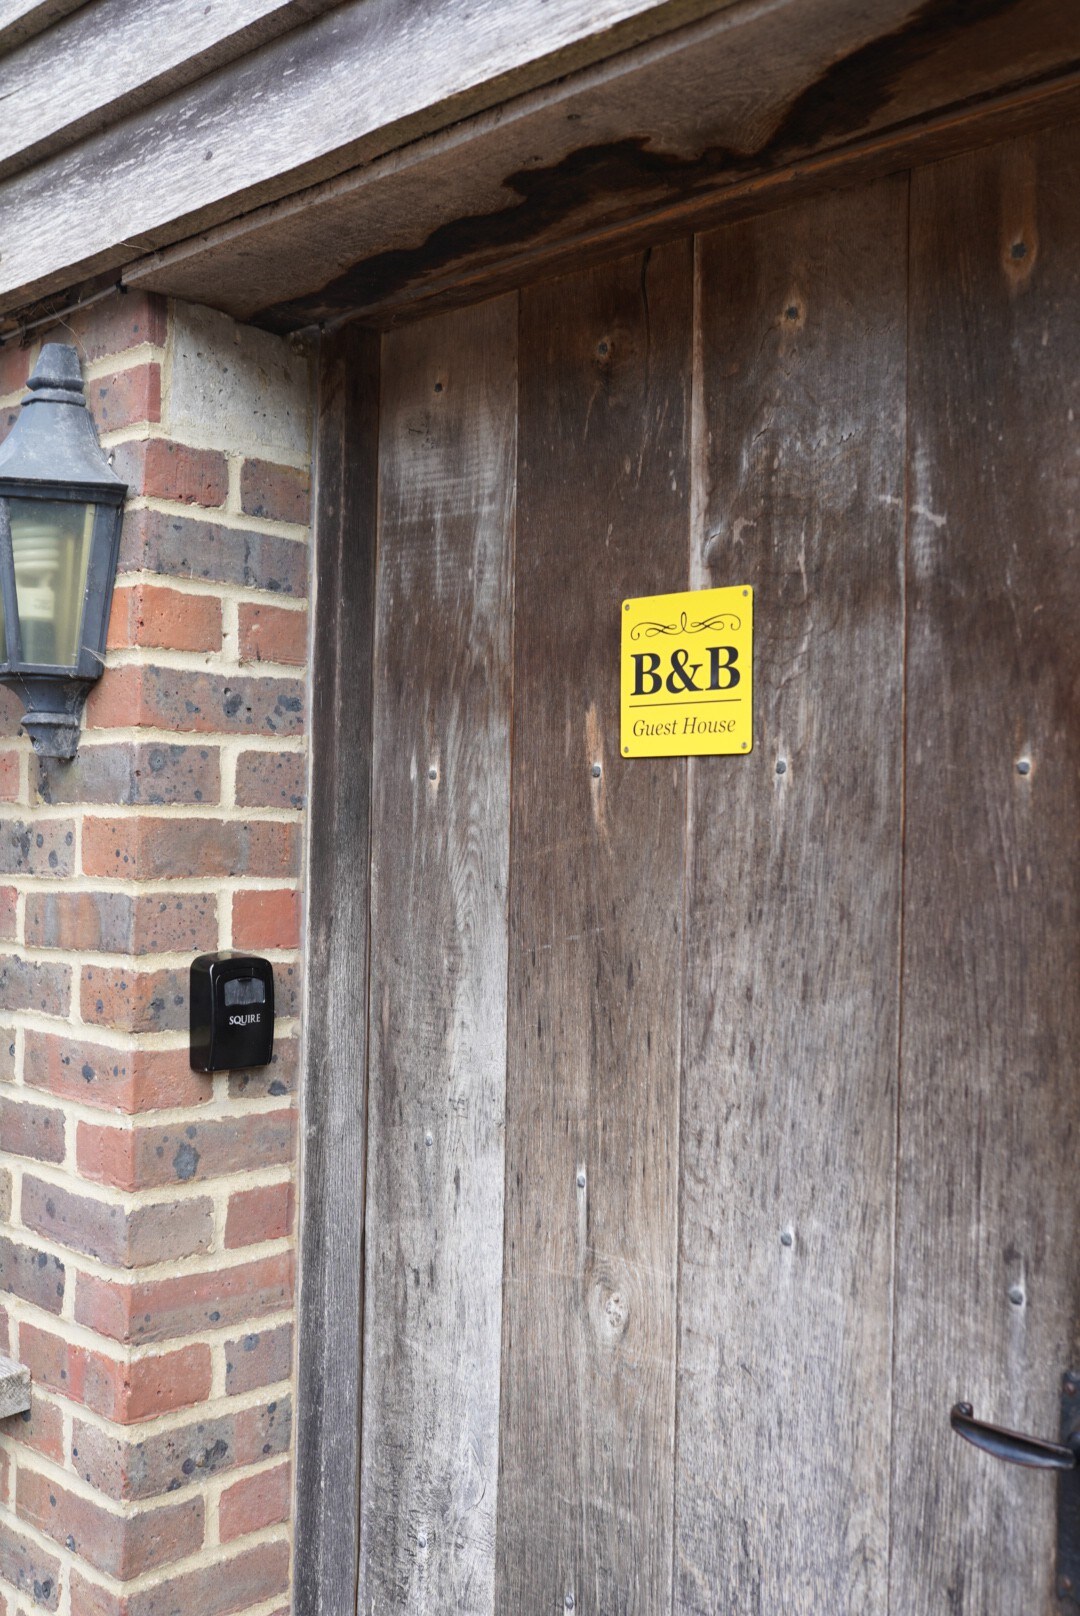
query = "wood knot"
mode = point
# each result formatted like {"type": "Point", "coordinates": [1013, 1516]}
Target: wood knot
{"type": "Point", "coordinates": [1020, 253]}
{"type": "Point", "coordinates": [794, 313]}
{"type": "Point", "coordinates": [610, 1312]}
{"type": "Point", "coordinates": [616, 1312]}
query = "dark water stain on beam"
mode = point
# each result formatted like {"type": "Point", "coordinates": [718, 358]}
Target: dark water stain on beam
{"type": "Point", "coordinates": [628, 173]}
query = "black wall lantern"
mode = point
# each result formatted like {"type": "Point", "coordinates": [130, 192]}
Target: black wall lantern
{"type": "Point", "coordinates": [60, 514]}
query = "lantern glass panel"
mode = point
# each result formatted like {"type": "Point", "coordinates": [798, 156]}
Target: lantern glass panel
{"type": "Point", "coordinates": [50, 542]}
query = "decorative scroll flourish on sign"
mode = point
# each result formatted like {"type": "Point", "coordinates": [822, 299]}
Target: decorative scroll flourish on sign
{"type": "Point", "coordinates": [719, 620]}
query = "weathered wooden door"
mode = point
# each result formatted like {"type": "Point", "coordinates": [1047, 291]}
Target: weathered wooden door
{"type": "Point", "coordinates": [723, 1115]}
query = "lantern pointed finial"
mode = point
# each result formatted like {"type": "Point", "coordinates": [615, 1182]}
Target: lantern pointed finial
{"type": "Point", "coordinates": [57, 371]}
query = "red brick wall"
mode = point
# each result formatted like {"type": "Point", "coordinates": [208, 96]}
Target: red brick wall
{"type": "Point", "coordinates": [147, 1244]}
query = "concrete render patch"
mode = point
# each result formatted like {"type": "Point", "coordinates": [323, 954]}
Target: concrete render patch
{"type": "Point", "coordinates": [234, 385]}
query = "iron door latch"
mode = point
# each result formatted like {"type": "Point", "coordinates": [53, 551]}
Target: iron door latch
{"type": "Point", "coordinates": [1037, 1454]}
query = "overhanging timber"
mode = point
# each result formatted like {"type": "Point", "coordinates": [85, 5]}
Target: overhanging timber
{"type": "Point", "coordinates": [366, 78]}
{"type": "Point", "coordinates": [385, 158]}
{"type": "Point", "coordinates": [757, 102]}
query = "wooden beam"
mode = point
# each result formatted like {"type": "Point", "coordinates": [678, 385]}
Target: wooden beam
{"type": "Point", "coordinates": [22, 19]}
{"type": "Point", "coordinates": [14, 1388]}
{"type": "Point", "coordinates": [793, 926]}
{"type": "Point", "coordinates": [989, 1105]}
{"type": "Point", "coordinates": [330, 1305]}
{"type": "Point", "coordinates": [369, 76]}
{"type": "Point", "coordinates": [114, 57]}
{"type": "Point", "coordinates": [437, 1107]}
{"type": "Point", "coordinates": [565, 171]}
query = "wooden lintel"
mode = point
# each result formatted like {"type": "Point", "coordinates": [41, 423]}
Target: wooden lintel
{"type": "Point", "coordinates": [728, 115]}
{"type": "Point", "coordinates": [362, 79]}
{"type": "Point", "coordinates": [962, 130]}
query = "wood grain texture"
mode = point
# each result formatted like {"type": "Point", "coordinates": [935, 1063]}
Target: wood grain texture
{"type": "Point", "coordinates": [114, 57]}
{"type": "Point", "coordinates": [596, 938]}
{"type": "Point", "coordinates": [441, 838]}
{"type": "Point", "coordinates": [988, 1292]}
{"type": "Point", "coordinates": [22, 19]}
{"type": "Point", "coordinates": [14, 1387]}
{"type": "Point", "coordinates": [330, 1303]}
{"type": "Point", "coordinates": [788, 1118]}
{"type": "Point", "coordinates": [841, 92]}
{"type": "Point", "coordinates": [365, 78]}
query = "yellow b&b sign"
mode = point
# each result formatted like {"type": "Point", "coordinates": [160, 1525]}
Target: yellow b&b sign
{"type": "Point", "coordinates": [687, 673]}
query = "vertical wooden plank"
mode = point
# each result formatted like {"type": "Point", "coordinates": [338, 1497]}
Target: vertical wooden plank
{"type": "Point", "coordinates": [793, 923]}
{"type": "Point", "coordinates": [596, 937]}
{"type": "Point", "coordinates": [336, 940]}
{"type": "Point", "coordinates": [440, 837]}
{"type": "Point", "coordinates": [988, 1304]}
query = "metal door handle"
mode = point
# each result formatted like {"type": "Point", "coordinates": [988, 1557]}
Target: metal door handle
{"type": "Point", "coordinates": [1011, 1445]}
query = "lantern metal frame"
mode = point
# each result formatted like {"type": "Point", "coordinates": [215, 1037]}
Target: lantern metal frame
{"type": "Point", "coordinates": [52, 455]}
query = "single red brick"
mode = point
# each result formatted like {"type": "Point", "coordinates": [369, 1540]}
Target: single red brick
{"type": "Point", "coordinates": [251, 1578]}
{"type": "Point", "coordinates": [150, 849]}
{"type": "Point", "coordinates": [261, 1358]}
{"type": "Point", "coordinates": [162, 469]}
{"type": "Point", "coordinates": [125, 397]}
{"type": "Point", "coordinates": [264, 1213]}
{"type": "Point", "coordinates": [114, 1079]}
{"type": "Point", "coordinates": [11, 708]}
{"type": "Point", "coordinates": [117, 923]}
{"type": "Point", "coordinates": [184, 1304]}
{"type": "Point", "coordinates": [93, 1599]}
{"type": "Point", "coordinates": [122, 1391]}
{"type": "Point", "coordinates": [270, 779]}
{"type": "Point", "coordinates": [107, 1155]}
{"type": "Point", "coordinates": [130, 1238]}
{"type": "Point", "coordinates": [190, 701]}
{"type": "Point", "coordinates": [134, 1001]}
{"type": "Point", "coordinates": [181, 547]}
{"type": "Point", "coordinates": [10, 771]}
{"type": "Point", "coordinates": [121, 1546]}
{"type": "Point", "coordinates": [151, 615]}
{"type": "Point", "coordinates": [169, 1381]}
{"type": "Point", "coordinates": [43, 847]}
{"type": "Point", "coordinates": [79, 920]}
{"type": "Point", "coordinates": [40, 1428]}
{"type": "Point", "coordinates": [31, 1130]}
{"type": "Point", "coordinates": [33, 1275]}
{"type": "Point", "coordinates": [34, 1573]}
{"type": "Point", "coordinates": [272, 634]}
{"type": "Point", "coordinates": [254, 1503]}
{"type": "Point", "coordinates": [150, 772]}
{"type": "Point", "coordinates": [15, 364]}
{"type": "Point", "coordinates": [280, 493]}
{"type": "Point", "coordinates": [183, 923]}
{"type": "Point", "coordinates": [34, 985]}
{"type": "Point", "coordinates": [116, 324]}
{"type": "Point", "coordinates": [9, 898]}
{"type": "Point", "coordinates": [266, 919]}
{"type": "Point", "coordinates": [151, 1157]}
{"type": "Point", "coordinates": [149, 1465]}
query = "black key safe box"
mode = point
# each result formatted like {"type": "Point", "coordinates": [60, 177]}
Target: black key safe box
{"type": "Point", "coordinates": [232, 1011]}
